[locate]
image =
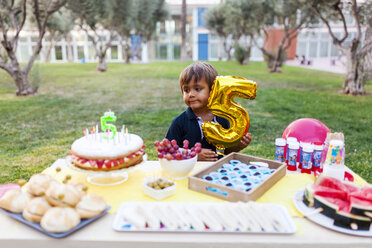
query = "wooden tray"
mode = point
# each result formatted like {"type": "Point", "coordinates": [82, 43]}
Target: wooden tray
{"type": "Point", "coordinates": [197, 183]}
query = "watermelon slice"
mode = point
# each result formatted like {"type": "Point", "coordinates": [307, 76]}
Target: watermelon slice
{"type": "Point", "coordinates": [334, 183]}
{"type": "Point", "coordinates": [313, 189]}
{"type": "Point", "coordinates": [367, 190]}
{"type": "Point", "coordinates": [330, 205]}
{"type": "Point", "coordinates": [330, 182]}
{"type": "Point", "coordinates": [351, 221]}
{"type": "Point", "coordinates": [351, 187]}
{"type": "Point", "coordinates": [361, 207]}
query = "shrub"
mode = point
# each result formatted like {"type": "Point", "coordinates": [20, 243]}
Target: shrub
{"type": "Point", "coordinates": [239, 54]}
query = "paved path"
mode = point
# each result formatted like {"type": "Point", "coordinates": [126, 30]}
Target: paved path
{"type": "Point", "coordinates": [323, 64]}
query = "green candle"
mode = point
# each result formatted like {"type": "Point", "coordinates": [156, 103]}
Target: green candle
{"type": "Point", "coordinates": [109, 116]}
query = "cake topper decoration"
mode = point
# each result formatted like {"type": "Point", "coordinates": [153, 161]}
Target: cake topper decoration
{"type": "Point", "coordinates": [109, 116]}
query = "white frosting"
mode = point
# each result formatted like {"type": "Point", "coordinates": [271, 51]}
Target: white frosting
{"type": "Point", "coordinates": [94, 146]}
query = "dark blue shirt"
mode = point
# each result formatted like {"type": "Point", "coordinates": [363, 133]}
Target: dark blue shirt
{"type": "Point", "coordinates": [186, 126]}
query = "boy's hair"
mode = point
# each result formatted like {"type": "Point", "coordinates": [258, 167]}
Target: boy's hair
{"type": "Point", "coordinates": [197, 71]}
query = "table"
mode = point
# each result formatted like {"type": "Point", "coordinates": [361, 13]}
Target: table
{"type": "Point", "coordinates": [100, 234]}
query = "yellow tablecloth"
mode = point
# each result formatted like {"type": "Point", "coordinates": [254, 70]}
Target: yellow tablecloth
{"type": "Point", "coordinates": [131, 190]}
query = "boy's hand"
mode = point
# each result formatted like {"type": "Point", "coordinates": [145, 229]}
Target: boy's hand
{"type": "Point", "coordinates": [244, 142]}
{"type": "Point", "coordinates": [207, 155]}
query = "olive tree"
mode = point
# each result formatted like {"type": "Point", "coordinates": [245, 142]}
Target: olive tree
{"type": "Point", "coordinates": [95, 17]}
{"type": "Point", "coordinates": [358, 64]}
{"type": "Point", "coordinates": [145, 16]}
{"type": "Point", "coordinates": [290, 17]}
{"type": "Point", "coordinates": [13, 15]}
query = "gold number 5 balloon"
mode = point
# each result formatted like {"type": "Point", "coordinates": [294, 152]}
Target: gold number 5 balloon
{"type": "Point", "coordinates": [221, 103]}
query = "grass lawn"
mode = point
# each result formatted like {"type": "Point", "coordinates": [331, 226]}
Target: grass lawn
{"type": "Point", "coordinates": [36, 130]}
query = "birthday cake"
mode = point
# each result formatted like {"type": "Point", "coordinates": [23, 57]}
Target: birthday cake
{"type": "Point", "coordinates": [106, 151]}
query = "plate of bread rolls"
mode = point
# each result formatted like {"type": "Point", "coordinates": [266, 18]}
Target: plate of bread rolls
{"type": "Point", "coordinates": [54, 208]}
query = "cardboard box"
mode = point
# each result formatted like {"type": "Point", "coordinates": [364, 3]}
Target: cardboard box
{"type": "Point", "coordinates": [197, 183]}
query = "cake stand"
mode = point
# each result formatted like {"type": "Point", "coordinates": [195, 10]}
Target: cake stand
{"type": "Point", "coordinates": [104, 178]}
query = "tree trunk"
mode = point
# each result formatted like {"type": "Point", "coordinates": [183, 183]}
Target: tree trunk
{"type": "Point", "coordinates": [24, 87]}
{"type": "Point", "coordinates": [102, 67]}
{"type": "Point", "coordinates": [248, 51]}
{"type": "Point", "coordinates": [227, 50]}
{"type": "Point", "coordinates": [126, 52]}
{"type": "Point", "coordinates": [183, 32]}
{"type": "Point", "coordinates": [354, 81]}
{"type": "Point", "coordinates": [220, 43]}
{"type": "Point", "coordinates": [276, 63]}
{"type": "Point", "coordinates": [69, 48]}
{"type": "Point", "coordinates": [47, 53]}
{"type": "Point", "coordinates": [19, 76]}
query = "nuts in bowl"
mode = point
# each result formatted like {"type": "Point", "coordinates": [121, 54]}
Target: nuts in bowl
{"type": "Point", "coordinates": [158, 188]}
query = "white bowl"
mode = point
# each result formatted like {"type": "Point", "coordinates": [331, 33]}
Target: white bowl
{"type": "Point", "coordinates": [157, 194]}
{"type": "Point", "coordinates": [178, 169]}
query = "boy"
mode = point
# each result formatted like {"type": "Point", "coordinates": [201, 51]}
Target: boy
{"type": "Point", "coordinates": [196, 82]}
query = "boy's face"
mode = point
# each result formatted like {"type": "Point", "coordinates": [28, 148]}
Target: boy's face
{"type": "Point", "coordinates": [196, 94]}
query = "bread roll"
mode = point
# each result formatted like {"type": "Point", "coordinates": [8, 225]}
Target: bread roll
{"type": "Point", "coordinates": [90, 205]}
{"type": "Point", "coordinates": [35, 209]}
{"type": "Point", "coordinates": [62, 195]}
{"type": "Point", "coordinates": [15, 200]}
{"type": "Point", "coordinates": [38, 184]}
{"type": "Point", "coordinates": [82, 188]}
{"type": "Point", "coordinates": [60, 219]}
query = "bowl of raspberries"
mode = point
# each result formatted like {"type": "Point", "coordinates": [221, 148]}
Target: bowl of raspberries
{"type": "Point", "coordinates": [177, 162]}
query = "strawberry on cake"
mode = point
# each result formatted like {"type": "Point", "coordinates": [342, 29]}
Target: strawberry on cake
{"type": "Point", "coordinates": [92, 152]}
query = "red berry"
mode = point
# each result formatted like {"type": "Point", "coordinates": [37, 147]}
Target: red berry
{"type": "Point", "coordinates": [157, 143]}
{"type": "Point", "coordinates": [197, 149]}
{"type": "Point", "coordinates": [174, 142]}
{"type": "Point", "coordinates": [160, 149]}
{"type": "Point", "coordinates": [160, 155]}
{"type": "Point", "coordinates": [176, 147]}
{"type": "Point", "coordinates": [186, 142]}
{"type": "Point", "coordinates": [192, 154]}
{"type": "Point", "coordinates": [171, 150]}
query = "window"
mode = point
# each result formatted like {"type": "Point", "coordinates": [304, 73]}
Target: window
{"type": "Point", "coordinates": [114, 52]}
{"type": "Point", "coordinates": [162, 51]}
{"type": "Point", "coordinates": [313, 49]}
{"type": "Point", "coordinates": [58, 51]}
{"type": "Point", "coordinates": [176, 51]}
{"type": "Point", "coordinates": [214, 50]}
{"type": "Point", "coordinates": [201, 12]}
{"type": "Point", "coordinates": [323, 49]}
{"type": "Point", "coordinates": [301, 48]}
{"type": "Point", "coordinates": [24, 52]}
{"type": "Point", "coordinates": [80, 51]}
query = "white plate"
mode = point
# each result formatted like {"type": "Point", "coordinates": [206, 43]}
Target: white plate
{"type": "Point", "coordinates": [120, 224]}
{"type": "Point", "coordinates": [323, 220]}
